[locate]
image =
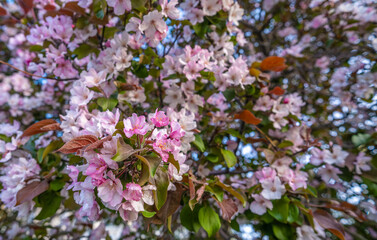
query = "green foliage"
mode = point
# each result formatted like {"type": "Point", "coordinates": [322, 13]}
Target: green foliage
{"type": "Point", "coordinates": [107, 103]}
{"type": "Point", "coordinates": [162, 182]}
{"type": "Point", "coordinates": [198, 143]}
{"type": "Point", "coordinates": [280, 210]}
{"type": "Point", "coordinates": [229, 157]}
{"type": "Point", "coordinates": [50, 203]}
{"type": "Point", "coordinates": [209, 220]}
{"type": "Point", "coordinates": [190, 219]}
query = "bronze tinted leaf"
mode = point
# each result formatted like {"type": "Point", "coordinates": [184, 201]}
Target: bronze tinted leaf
{"type": "Point", "coordinates": [51, 127]}
{"type": "Point", "coordinates": [26, 5]}
{"type": "Point", "coordinates": [98, 144]}
{"type": "Point", "coordinates": [3, 12]}
{"type": "Point", "coordinates": [36, 128]}
{"type": "Point", "coordinates": [30, 191]}
{"type": "Point", "coordinates": [171, 205]}
{"type": "Point", "coordinates": [78, 143]}
{"type": "Point", "coordinates": [273, 63]}
{"type": "Point", "coordinates": [327, 221]}
{"type": "Point", "coordinates": [247, 117]}
{"type": "Point", "coordinates": [278, 91]}
{"type": "Point", "coordinates": [228, 208]}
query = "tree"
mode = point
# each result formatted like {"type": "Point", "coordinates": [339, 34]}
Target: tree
{"type": "Point", "coordinates": [189, 119]}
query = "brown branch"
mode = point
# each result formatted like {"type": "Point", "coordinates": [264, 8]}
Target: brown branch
{"type": "Point", "coordinates": [37, 76]}
{"type": "Point", "coordinates": [227, 171]}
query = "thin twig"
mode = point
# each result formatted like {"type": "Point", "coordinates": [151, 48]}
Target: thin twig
{"type": "Point", "coordinates": [33, 75]}
{"type": "Point", "coordinates": [227, 171]}
{"type": "Point", "coordinates": [264, 135]}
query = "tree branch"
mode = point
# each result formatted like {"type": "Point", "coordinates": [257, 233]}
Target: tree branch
{"type": "Point", "coordinates": [33, 75]}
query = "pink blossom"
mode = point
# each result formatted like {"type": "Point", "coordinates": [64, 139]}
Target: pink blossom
{"type": "Point", "coordinates": [273, 189]}
{"type": "Point", "coordinates": [162, 146]}
{"type": "Point", "coordinates": [133, 192]}
{"type": "Point", "coordinates": [192, 69]}
{"type": "Point", "coordinates": [329, 172]}
{"type": "Point", "coordinates": [322, 62]}
{"type": "Point", "coordinates": [361, 163]}
{"type": "Point", "coordinates": [176, 131]}
{"type": "Point", "coordinates": [111, 191]}
{"type": "Point", "coordinates": [266, 174]}
{"type": "Point", "coordinates": [318, 21]}
{"type": "Point", "coordinates": [120, 6]}
{"type": "Point", "coordinates": [296, 179]}
{"type": "Point", "coordinates": [160, 119]}
{"type": "Point", "coordinates": [260, 204]}
{"type": "Point", "coordinates": [135, 125]}
{"type": "Point", "coordinates": [96, 168]}
{"type": "Point", "coordinates": [169, 8]}
{"type": "Point", "coordinates": [65, 69]}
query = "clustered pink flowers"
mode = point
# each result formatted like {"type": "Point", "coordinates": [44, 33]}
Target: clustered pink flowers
{"type": "Point", "coordinates": [103, 174]}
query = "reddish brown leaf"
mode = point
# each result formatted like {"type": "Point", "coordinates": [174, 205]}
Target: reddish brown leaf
{"type": "Point", "coordinates": [192, 189]}
{"type": "Point", "coordinates": [247, 117]}
{"type": "Point", "coordinates": [200, 192]}
{"type": "Point", "coordinates": [26, 5]}
{"type": "Point", "coordinates": [171, 205]}
{"type": "Point", "coordinates": [74, 7]}
{"type": "Point", "coordinates": [273, 63]}
{"type": "Point", "coordinates": [327, 221]}
{"type": "Point", "coordinates": [228, 208]}
{"type": "Point", "coordinates": [278, 91]}
{"type": "Point", "coordinates": [98, 144]}
{"type": "Point", "coordinates": [30, 191]}
{"type": "Point", "coordinates": [3, 12]}
{"type": "Point", "coordinates": [51, 127]}
{"type": "Point", "coordinates": [77, 143]}
{"type": "Point", "coordinates": [37, 127]}
{"type": "Point", "coordinates": [49, 7]}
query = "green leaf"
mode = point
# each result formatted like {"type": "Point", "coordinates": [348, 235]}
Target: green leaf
{"type": "Point", "coordinates": [294, 214]}
{"type": "Point", "coordinates": [124, 151]}
{"type": "Point", "coordinates": [57, 184]}
{"type": "Point", "coordinates": [285, 144]}
{"type": "Point", "coordinates": [311, 191]}
{"type": "Point", "coordinates": [229, 94]}
{"type": "Point", "coordinates": [50, 203]}
{"type": "Point", "coordinates": [201, 28]}
{"type": "Point", "coordinates": [209, 220]}
{"type": "Point", "coordinates": [36, 48]}
{"type": "Point", "coordinates": [83, 50]}
{"type": "Point", "coordinates": [216, 190]}
{"type": "Point", "coordinates": [234, 224]}
{"type": "Point", "coordinates": [151, 162]}
{"type": "Point", "coordinates": [150, 52]}
{"type": "Point", "coordinates": [148, 214]}
{"type": "Point", "coordinates": [189, 219]}
{"type": "Point", "coordinates": [51, 147]}
{"type": "Point", "coordinates": [162, 182]}
{"type": "Point", "coordinates": [107, 103]}
{"type": "Point", "coordinates": [229, 157]}
{"type": "Point", "coordinates": [360, 139]}
{"type": "Point", "coordinates": [174, 162]}
{"type": "Point", "coordinates": [99, 8]}
{"type": "Point", "coordinates": [280, 209]}
{"type": "Point", "coordinates": [40, 154]}
{"type": "Point", "coordinates": [140, 70]}
{"type": "Point", "coordinates": [282, 231]}
{"type": "Point", "coordinates": [144, 176]}
{"type": "Point", "coordinates": [199, 144]}
{"type": "Point", "coordinates": [235, 193]}
{"type": "Point", "coordinates": [110, 32]}
{"type": "Point", "coordinates": [138, 4]}
{"type": "Point", "coordinates": [212, 158]}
